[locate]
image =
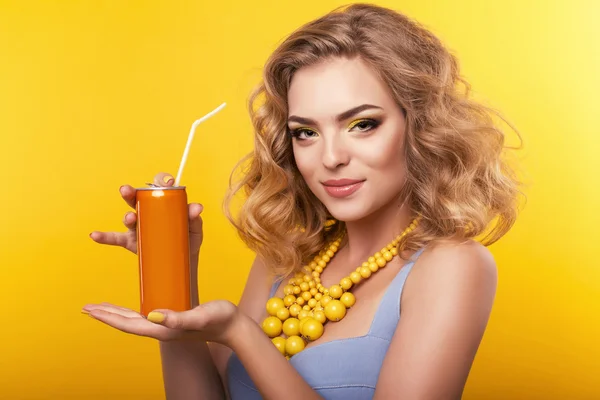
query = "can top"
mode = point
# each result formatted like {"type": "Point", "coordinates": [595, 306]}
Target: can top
{"type": "Point", "coordinates": [155, 187]}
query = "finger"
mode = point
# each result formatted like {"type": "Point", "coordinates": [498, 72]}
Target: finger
{"type": "Point", "coordinates": [130, 220]}
{"type": "Point", "coordinates": [107, 307]}
{"type": "Point", "coordinates": [195, 210]}
{"type": "Point", "coordinates": [194, 319]}
{"type": "Point", "coordinates": [128, 194]}
{"type": "Point", "coordinates": [135, 326]}
{"type": "Point", "coordinates": [164, 179]}
{"type": "Point", "coordinates": [111, 238]}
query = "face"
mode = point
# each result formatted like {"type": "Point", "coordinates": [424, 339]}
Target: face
{"type": "Point", "coordinates": [348, 137]}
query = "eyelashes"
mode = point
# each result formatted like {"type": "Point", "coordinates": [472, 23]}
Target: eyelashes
{"type": "Point", "coordinates": [363, 125]}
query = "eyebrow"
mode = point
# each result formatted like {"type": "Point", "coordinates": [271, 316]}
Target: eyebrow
{"type": "Point", "coordinates": [341, 117]}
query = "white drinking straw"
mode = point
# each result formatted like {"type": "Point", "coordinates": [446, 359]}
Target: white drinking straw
{"type": "Point", "coordinates": [191, 137]}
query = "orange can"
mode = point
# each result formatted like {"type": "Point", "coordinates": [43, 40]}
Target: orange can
{"type": "Point", "coordinates": [163, 249]}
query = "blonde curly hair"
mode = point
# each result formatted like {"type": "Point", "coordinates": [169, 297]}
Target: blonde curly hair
{"type": "Point", "coordinates": [457, 180]}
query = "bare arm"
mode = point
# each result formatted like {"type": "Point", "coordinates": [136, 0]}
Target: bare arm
{"type": "Point", "coordinates": [445, 309]}
{"type": "Point", "coordinates": [188, 368]}
{"type": "Point", "coordinates": [255, 350]}
{"type": "Point", "coordinates": [194, 370]}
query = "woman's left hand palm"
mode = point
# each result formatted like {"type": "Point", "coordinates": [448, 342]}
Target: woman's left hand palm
{"type": "Point", "coordinates": [213, 321]}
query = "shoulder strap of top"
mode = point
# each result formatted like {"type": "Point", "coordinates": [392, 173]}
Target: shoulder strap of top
{"type": "Point", "coordinates": [388, 312]}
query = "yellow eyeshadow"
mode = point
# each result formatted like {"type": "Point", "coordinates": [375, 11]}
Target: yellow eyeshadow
{"type": "Point", "coordinates": [353, 124]}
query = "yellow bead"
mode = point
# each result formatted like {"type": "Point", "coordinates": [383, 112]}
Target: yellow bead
{"type": "Point", "coordinates": [318, 296]}
{"type": "Point", "coordinates": [335, 310]}
{"type": "Point", "coordinates": [302, 322]}
{"type": "Point", "coordinates": [322, 263]}
{"type": "Point", "coordinates": [321, 289]}
{"type": "Point", "coordinates": [355, 277]}
{"type": "Point", "coordinates": [315, 275]}
{"type": "Point", "coordinates": [371, 260]}
{"type": "Point", "coordinates": [291, 327]}
{"type": "Point", "coordinates": [306, 296]}
{"type": "Point", "coordinates": [300, 301]}
{"type": "Point", "coordinates": [318, 281]}
{"type": "Point", "coordinates": [389, 247]}
{"type": "Point", "coordinates": [324, 300]}
{"type": "Point", "coordinates": [303, 314]}
{"type": "Point", "coordinates": [383, 250]}
{"type": "Point", "coordinates": [314, 292]}
{"type": "Point", "coordinates": [274, 304]}
{"type": "Point", "coordinates": [346, 283]}
{"type": "Point", "coordinates": [288, 289]}
{"type": "Point", "coordinates": [299, 281]}
{"type": "Point", "coordinates": [294, 345]}
{"type": "Point", "coordinates": [333, 248]}
{"type": "Point", "coordinates": [348, 299]}
{"type": "Point", "coordinates": [358, 269]}
{"type": "Point", "coordinates": [326, 258]}
{"type": "Point", "coordinates": [330, 253]}
{"type": "Point", "coordinates": [272, 326]}
{"type": "Point", "coordinates": [295, 309]}
{"type": "Point", "coordinates": [306, 278]}
{"type": "Point", "coordinates": [377, 255]}
{"type": "Point", "coordinates": [394, 251]}
{"type": "Point", "coordinates": [304, 286]}
{"type": "Point", "coordinates": [373, 267]}
{"type": "Point", "coordinates": [312, 303]}
{"type": "Point", "coordinates": [336, 291]}
{"type": "Point", "coordinates": [395, 242]}
{"type": "Point", "coordinates": [319, 315]}
{"type": "Point", "coordinates": [306, 307]}
{"type": "Point", "coordinates": [297, 290]}
{"type": "Point", "coordinates": [283, 313]}
{"type": "Point", "coordinates": [388, 256]}
{"type": "Point", "coordinates": [365, 272]}
{"type": "Point", "coordinates": [289, 300]}
{"type": "Point", "coordinates": [312, 284]}
{"type": "Point", "coordinates": [319, 269]}
{"type": "Point", "coordinates": [381, 262]}
{"type": "Point", "coordinates": [312, 265]}
{"type": "Point", "coordinates": [279, 342]}
{"type": "Point", "coordinates": [312, 329]}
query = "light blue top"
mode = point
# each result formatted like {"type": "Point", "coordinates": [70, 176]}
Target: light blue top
{"type": "Point", "coordinates": [348, 369]}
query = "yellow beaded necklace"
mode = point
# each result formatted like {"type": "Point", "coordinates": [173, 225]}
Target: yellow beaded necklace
{"type": "Point", "coordinates": [308, 305]}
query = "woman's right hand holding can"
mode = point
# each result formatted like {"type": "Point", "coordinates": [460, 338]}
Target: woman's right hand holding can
{"type": "Point", "coordinates": [128, 240]}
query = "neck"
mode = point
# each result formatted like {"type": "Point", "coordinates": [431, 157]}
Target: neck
{"type": "Point", "coordinates": [368, 235]}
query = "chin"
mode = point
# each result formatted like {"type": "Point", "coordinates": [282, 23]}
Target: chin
{"type": "Point", "coordinates": [353, 211]}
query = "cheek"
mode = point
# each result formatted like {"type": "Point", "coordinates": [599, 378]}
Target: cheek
{"type": "Point", "coordinates": [386, 157]}
{"type": "Point", "coordinates": [303, 163]}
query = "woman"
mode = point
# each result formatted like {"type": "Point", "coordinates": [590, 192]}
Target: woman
{"type": "Point", "coordinates": [373, 171]}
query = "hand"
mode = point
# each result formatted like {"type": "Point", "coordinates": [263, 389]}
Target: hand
{"type": "Point", "coordinates": [128, 240]}
{"type": "Point", "coordinates": [215, 321]}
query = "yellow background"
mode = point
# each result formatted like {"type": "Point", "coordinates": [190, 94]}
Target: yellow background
{"type": "Point", "coordinates": [95, 94]}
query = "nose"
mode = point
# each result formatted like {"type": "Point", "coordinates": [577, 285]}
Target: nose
{"type": "Point", "coordinates": [335, 154]}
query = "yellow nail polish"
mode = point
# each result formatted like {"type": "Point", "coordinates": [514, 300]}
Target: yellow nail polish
{"type": "Point", "coordinates": [156, 317]}
{"type": "Point", "coordinates": [167, 178]}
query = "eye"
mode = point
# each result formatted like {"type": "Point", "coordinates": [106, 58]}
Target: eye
{"type": "Point", "coordinates": [364, 125]}
{"type": "Point", "coordinates": [303, 133]}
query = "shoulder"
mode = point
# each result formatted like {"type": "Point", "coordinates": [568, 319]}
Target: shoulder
{"type": "Point", "coordinates": [455, 269]}
{"type": "Point", "coordinates": [445, 306]}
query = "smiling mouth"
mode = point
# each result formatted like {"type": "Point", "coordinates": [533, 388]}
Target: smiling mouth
{"type": "Point", "coordinates": [342, 188]}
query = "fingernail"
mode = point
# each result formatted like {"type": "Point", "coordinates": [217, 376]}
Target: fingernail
{"type": "Point", "coordinates": [167, 178]}
{"type": "Point", "coordinates": [156, 317]}
{"type": "Point", "coordinates": [85, 312]}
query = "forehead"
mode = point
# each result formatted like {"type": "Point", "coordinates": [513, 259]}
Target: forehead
{"type": "Point", "coordinates": [333, 86]}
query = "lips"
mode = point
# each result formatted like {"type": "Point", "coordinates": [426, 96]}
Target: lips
{"type": "Point", "coordinates": [340, 188]}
